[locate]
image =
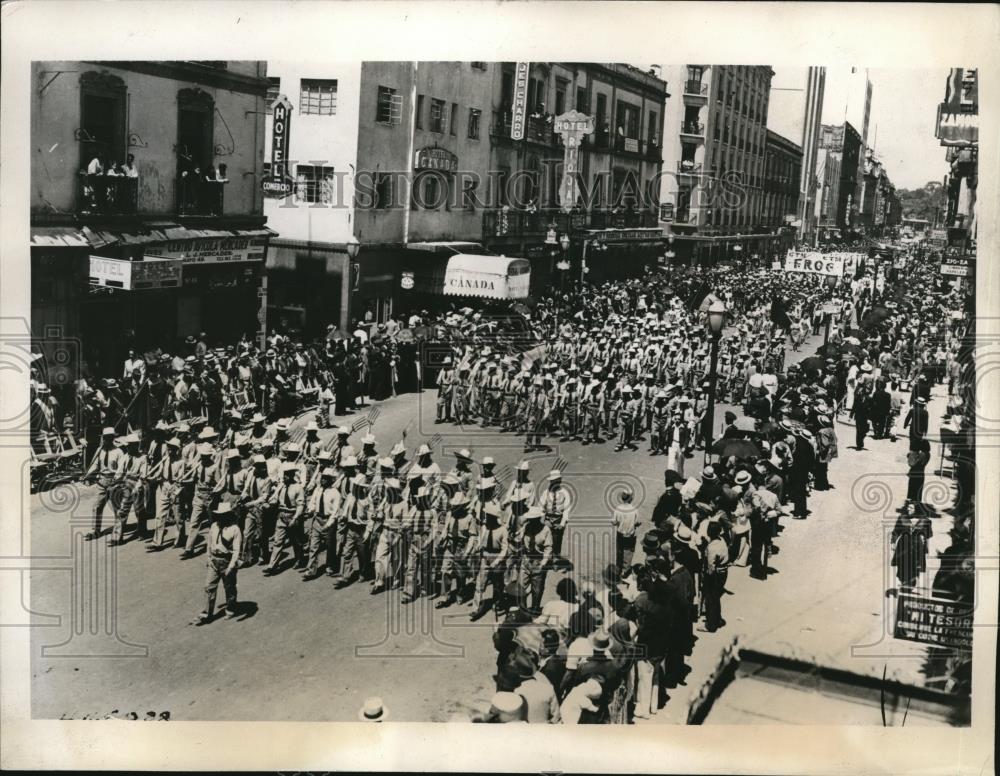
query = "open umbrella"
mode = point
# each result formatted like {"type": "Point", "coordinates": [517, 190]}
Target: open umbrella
{"type": "Point", "coordinates": [738, 448]}
{"type": "Point", "coordinates": [830, 350]}
{"type": "Point", "coordinates": [850, 349]}
{"type": "Point", "coordinates": [670, 477]}
{"type": "Point", "coordinates": [813, 362]}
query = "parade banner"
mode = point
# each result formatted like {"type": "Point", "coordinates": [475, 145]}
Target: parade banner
{"type": "Point", "coordinates": [937, 621]}
{"type": "Point", "coordinates": [814, 263]}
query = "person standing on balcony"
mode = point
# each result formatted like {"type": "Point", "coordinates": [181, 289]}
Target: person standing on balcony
{"type": "Point", "coordinates": [128, 167]}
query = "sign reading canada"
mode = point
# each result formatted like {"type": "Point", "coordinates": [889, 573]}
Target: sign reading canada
{"type": "Point", "coordinates": [435, 158]}
{"type": "Point", "coordinates": [815, 263]}
{"type": "Point", "coordinates": [936, 621]}
{"type": "Point", "coordinates": [278, 184]}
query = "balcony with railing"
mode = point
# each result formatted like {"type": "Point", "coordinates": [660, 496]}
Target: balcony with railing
{"type": "Point", "coordinates": [696, 90]}
{"type": "Point", "coordinates": [535, 224]}
{"type": "Point", "coordinates": [199, 197]}
{"type": "Point", "coordinates": [628, 145]}
{"type": "Point", "coordinates": [693, 129]}
{"type": "Point", "coordinates": [107, 195]}
{"type": "Point", "coordinates": [688, 167]}
{"type": "Point", "coordinates": [537, 128]}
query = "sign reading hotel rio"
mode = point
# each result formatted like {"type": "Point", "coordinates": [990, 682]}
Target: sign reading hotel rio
{"type": "Point", "coordinates": [278, 184]}
{"type": "Point", "coordinates": [572, 126]}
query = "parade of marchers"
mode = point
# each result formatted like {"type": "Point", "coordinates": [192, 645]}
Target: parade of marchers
{"type": "Point", "coordinates": [628, 364]}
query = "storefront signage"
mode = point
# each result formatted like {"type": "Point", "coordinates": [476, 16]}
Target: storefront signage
{"type": "Point", "coordinates": [572, 126]}
{"type": "Point", "coordinates": [277, 184]}
{"type": "Point", "coordinates": [937, 621]}
{"type": "Point", "coordinates": [958, 268]}
{"type": "Point", "coordinates": [519, 110]}
{"type": "Point", "coordinates": [435, 158]}
{"type": "Point", "coordinates": [213, 250]}
{"type": "Point", "coordinates": [815, 263]}
{"type": "Point", "coordinates": [611, 235]}
{"type": "Point", "coordinates": [407, 281]}
{"type": "Point", "coordinates": [143, 275]}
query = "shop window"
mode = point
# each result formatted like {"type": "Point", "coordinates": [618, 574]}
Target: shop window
{"type": "Point", "coordinates": [313, 184]}
{"type": "Point", "coordinates": [273, 91]}
{"type": "Point", "coordinates": [389, 107]}
{"type": "Point", "coordinates": [475, 116]}
{"type": "Point", "coordinates": [582, 100]}
{"type": "Point", "coordinates": [561, 86]}
{"type": "Point", "coordinates": [318, 96]}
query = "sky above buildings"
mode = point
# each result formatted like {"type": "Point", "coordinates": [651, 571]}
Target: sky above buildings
{"type": "Point", "coordinates": [901, 126]}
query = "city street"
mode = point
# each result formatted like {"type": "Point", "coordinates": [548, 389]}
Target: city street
{"type": "Point", "coordinates": [303, 651]}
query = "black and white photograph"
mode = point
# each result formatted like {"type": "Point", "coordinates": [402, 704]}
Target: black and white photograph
{"type": "Point", "coordinates": [638, 393]}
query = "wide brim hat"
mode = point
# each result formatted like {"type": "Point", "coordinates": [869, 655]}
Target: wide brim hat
{"type": "Point", "coordinates": [373, 710]}
{"type": "Point", "coordinates": [533, 513]}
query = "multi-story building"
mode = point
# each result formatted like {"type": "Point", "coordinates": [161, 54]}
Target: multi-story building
{"type": "Point", "coordinates": [613, 228]}
{"type": "Point", "coordinates": [828, 183]}
{"type": "Point", "coordinates": [147, 220]}
{"type": "Point", "coordinates": [782, 176]}
{"type": "Point", "coordinates": [844, 142]}
{"type": "Point", "coordinates": [795, 111]}
{"type": "Point", "coordinates": [957, 129]}
{"type": "Point", "coordinates": [415, 162]}
{"type": "Point", "coordinates": [714, 142]}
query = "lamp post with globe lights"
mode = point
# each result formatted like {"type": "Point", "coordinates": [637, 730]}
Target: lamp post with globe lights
{"type": "Point", "coordinates": [716, 322]}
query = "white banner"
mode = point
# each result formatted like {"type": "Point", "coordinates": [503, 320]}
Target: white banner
{"type": "Point", "coordinates": [814, 262]}
{"type": "Point", "coordinates": [213, 250]}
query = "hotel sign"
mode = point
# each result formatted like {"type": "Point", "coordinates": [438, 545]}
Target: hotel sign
{"type": "Point", "coordinates": [435, 158]}
{"type": "Point", "coordinates": [278, 184]}
{"type": "Point", "coordinates": [572, 126]}
{"type": "Point", "coordinates": [147, 274]}
{"type": "Point", "coordinates": [519, 110]}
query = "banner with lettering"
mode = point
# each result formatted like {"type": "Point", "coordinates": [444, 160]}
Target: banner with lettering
{"type": "Point", "coordinates": [814, 262]}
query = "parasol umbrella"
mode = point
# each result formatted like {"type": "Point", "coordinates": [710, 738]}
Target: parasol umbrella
{"type": "Point", "coordinates": [830, 350]}
{"type": "Point", "coordinates": [813, 362]}
{"type": "Point", "coordinates": [852, 341]}
{"type": "Point", "coordinates": [405, 335]}
{"type": "Point", "coordinates": [746, 423]}
{"type": "Point", "coordinates": [850, 349]}
{"type": "Point", "coordinates": [737, 448]}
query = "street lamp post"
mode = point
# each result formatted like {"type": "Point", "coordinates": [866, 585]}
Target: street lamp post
{"type": "Point", "coordinates": [716, 320]}
{"type": "Point", "coordinates": [353, 249]}
{"type": "Point", "coordinates": [831, 283]}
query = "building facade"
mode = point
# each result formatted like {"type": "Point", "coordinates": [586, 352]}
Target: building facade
{"type": "Point", "coordinates": [828, 193]}
{"type": "Point", "coordinates": [957, 129]}
{"type": "Point", "coordinates": [844, 143]}
{"type": "Point", "coordinates": [714, 145]}
{"type": "Point", "coordinates": [147, 220]}
{"type": "Point", "coordinates": [809, 185]}
{"type": "Point", "coordinates": [612, 227]}
{"type": "Point", "coordinates": [782, 177]}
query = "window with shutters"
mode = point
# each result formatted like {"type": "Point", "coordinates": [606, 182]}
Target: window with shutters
{"type": "Point", "coordinates": [385, 191]}
{"type": "Point", "coordinates": [438, 119]}
{"type": "Point", "coordinates": [418, 118]}
{"type": "Point", "coordinates": [389, 108]}
{"type": "Point", "coordinates": [317, 96]}
{"type": "Point", "coordinates": [313, 184]}
{"type": "Point", "coordinates": [453, 121]}
{"type": "Point", "coordinates": [475, 117]}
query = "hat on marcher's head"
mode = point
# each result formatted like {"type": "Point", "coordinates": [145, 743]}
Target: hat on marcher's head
{"type": "Point", "coordinates": [206, 449]}
{"type": "Point", "coordinates": [508, 703]}
{"type": "Point", "coordinates": [424, 450]}
{"type": "Point", "coordinates": [486, 483]}
{"type": "Point", "coordinates": [231, 454]}
{"type": "Point", "coordinates": [292, 447]}
{"type": "Point", "coordinates": [328, 471]}
{"type": "Point", "coordinates": [463, 454]}
{"type": "Point", "coordinates": [488, 461]}
{"type": "Point", "coordinates": [207, 433]}
{"type": "Point", "coordinates": [450, 480]}
{"type": "Point", "coordinates": [348, 461]}
{"type": "Point", "coordinates": [533, 513]}
{"type": "Point", "coordinates": [108, 431]}
{"type": "Point", "coordinates": [708, 473]}
{"type": "Point", "coordinates": [368, 439]}
{"type": "Point", "coordinates": [921, 400]}
{"type": "Point", "coordinates": [393, 484]}
{"type": "Point", "coordinates": [523, 466]}
{"type": "Point", "coordinates": [224, 508]}
{"type": "Point", "coordinates": [311, 426]}
{"type": "Point", "coordinates": [283, 424]}
{"type": "Point", "coordinates": [257, 418]}
{"type": "Point", "coordinates": [601, 640]}
{"type": "Point", "coordinates": [359, 481]}
{"type": "Point", "coordinates": [174, 442]}
{"type": "Point", "coordinates": [398, 449]}
{"type": "Point", "coordinates": [373, 710]}
{"type": "Point", "coordinates": [460, 499]}
{"type": "Point", "coordinates": [742, 477]}
{"type": "Point", "coordinates": [385, 463]}
{"type": "Point", "coordinates": [288, 466]}
{"type": "Point", "coordinates": [555, 474]}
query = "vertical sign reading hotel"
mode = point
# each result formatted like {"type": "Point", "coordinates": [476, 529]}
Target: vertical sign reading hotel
{"type": "Point", "coordinates": [519, 110]}
{"type": "Point", "coordinates": [572, 126]}
{"type": "Point", "coordinates": [277, 183]}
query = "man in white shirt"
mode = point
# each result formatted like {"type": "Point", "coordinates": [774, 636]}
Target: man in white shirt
{"type": "Point", "coordinates": [132, 363]}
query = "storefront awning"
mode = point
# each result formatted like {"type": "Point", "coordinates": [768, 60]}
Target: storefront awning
{"type": "Point", "coordinates": [58, 237]}
{"type": "Point", "coordinates": [493, 277]}
{"type": "Point", "coordinates": [162, 232]}
{"type": "Point", "coordinates": [444, 246]}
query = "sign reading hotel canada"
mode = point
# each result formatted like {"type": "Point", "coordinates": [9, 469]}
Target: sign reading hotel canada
{"type": "Point", "coordinates": [519, 110]}
{"type": "Point", "coordinates": [278, 184]}
{"type": "Point", "coordinates": [572, 126]}
{"type": "Point", "coordinates": [815, 263]}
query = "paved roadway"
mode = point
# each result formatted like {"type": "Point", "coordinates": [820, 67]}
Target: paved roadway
{"type": "Point", "coordinates": [303, 651]}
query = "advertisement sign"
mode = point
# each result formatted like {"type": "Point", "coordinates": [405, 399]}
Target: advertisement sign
{"type": "Point", "coordinates": [135, 275]}
{"type": "Point", "coordinates": [435, 159]}
{"type": "Point", "coordinates": [937, 621]}
{"type": "Point", "coordinates": [572, 126]}
{"type": "Point", "coordinates": [213, 250]}
{"type": "Point", "coordinates": [815, 263]}
{"type": "Point", "coordinates": [958, 267]}
{"type": "Point", "coordinates": [407, 281]}
{"type": "Point", "coordinates": [519, 110]}
{"type": "Point", "coordinates": [278, 184]}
